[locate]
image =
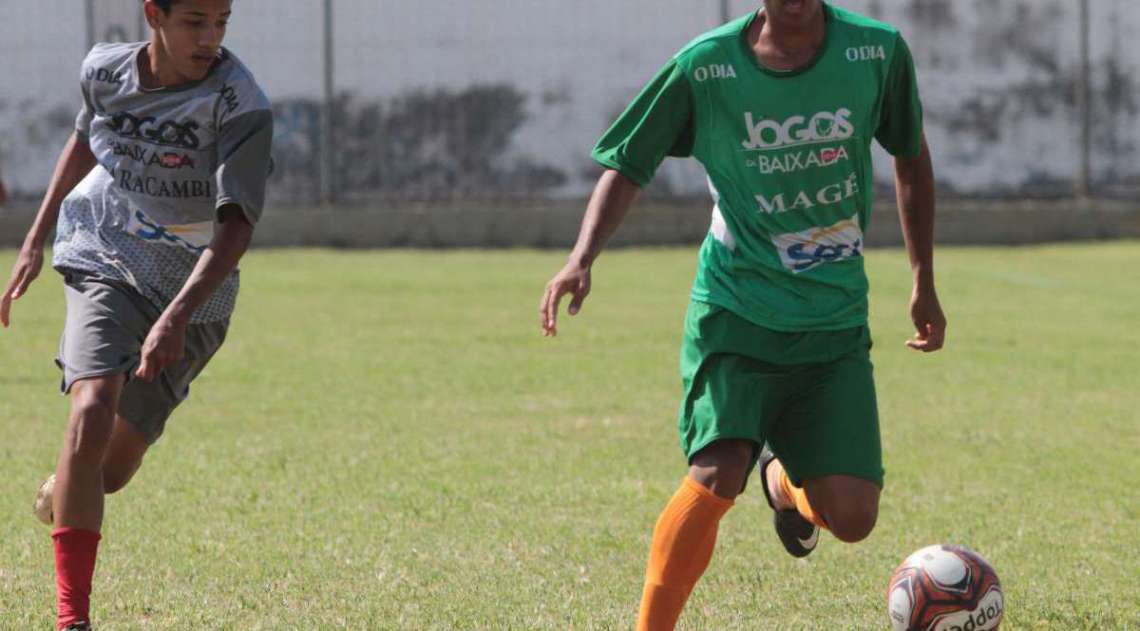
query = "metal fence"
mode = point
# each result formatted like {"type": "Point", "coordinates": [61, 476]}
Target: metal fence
{"type": "Point", "coordinates": [468, 98]}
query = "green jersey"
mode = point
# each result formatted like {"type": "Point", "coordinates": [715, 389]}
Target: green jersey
{"type": "Point", "coordinates": [788, 157]}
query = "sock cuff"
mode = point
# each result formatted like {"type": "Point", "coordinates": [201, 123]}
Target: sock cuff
{"type": "Point", "coordinates": [78, 534]}
{"type": "Point", "coordinates": [786, 485]}
{"type": "Point", "coordinates": [799, 496]}
{"type": "Point", "coordinates": [706, 495]}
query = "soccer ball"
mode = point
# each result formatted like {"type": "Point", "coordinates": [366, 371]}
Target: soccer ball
{"type": "Point", "coordinates": [945, 588]}
{"type": "Point", "coordinates": [42, 506]}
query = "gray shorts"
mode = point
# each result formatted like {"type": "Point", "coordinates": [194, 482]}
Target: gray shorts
{"type": "Point", "coordinates": [107, 323]}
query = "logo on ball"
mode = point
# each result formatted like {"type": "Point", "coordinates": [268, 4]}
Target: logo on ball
{"type": "Point", "coordinates": [945, 588]}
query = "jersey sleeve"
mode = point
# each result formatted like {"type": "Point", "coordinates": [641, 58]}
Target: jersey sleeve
{"type": "Point", "coordinates": [245, 141]}
{"type": "Point", "coordinates": [87, 110]}
{"type": "Point", "coordinates": [658, 123]}
{"type": "Point", "coordinates": [900, 124]}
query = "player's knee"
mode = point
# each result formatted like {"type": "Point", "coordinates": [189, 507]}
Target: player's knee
{"type": "Point", "coordinates": [86, 441]}
{"type": "Point", "coordinates": [89, 429]}
{"type": "Point", "coordinates": [852, 522]}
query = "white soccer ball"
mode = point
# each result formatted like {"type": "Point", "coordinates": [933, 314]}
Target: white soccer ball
{"type": "Point", "coordinates": [42, 506]}
{"type": "Point", "coordinates": [945, 588]}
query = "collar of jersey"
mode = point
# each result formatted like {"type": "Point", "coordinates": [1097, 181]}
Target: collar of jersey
{"type": "Point", "coordinates": [136, 75]}
{"type": "Point", "coordinates": [829, 23]}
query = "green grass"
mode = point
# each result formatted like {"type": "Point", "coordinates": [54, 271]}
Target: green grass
{"type": "Point", "coordinates": [386, 441]}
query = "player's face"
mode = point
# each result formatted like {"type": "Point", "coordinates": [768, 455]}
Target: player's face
{"type": "Point", "coordinates": [793, 12]}
{"type": "Point", "coordinates": [192, 33]}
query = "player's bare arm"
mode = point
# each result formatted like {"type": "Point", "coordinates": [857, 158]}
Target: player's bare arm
{"type": "Point", "coordinates": [914, 183]}
{"type": "Point", "coordinates": [164, 343]}
{"type": "Point", "coordinates": [74, 163]}
{"type": "Point", "coordinates": [610, 201]}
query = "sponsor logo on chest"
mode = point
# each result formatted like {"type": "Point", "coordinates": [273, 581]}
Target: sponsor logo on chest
{"type": "Point", "coordinates": [801, 251]}
{"type": "Point", "coordinates": [804, 200]}
{"type": "Point", "coordinates": [799, 160]}
{"type": "Point", "coordinates": [193, 237]}
{"type": "Point", "coordinates": [148, 157]}
{"type": "Point", "coordinates": [161, 187]}
{"type": "Point", "coordinates": [766, 134]}
{"type": "Point", "coordinates": [167, 133]}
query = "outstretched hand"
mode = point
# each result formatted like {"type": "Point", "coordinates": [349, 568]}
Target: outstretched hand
{"type": "Point", "coordinates": [574, 279]}
{"type": "Point", "coordinates": [27, 268]}
{"type": "Point", "coordinates": [929, 322]}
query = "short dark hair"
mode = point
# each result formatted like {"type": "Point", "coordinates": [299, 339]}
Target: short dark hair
{"type": "Point", "coordinates": [164, 5]}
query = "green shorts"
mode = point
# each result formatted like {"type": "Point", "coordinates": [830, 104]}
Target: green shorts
{"type": "Point", "coordinates": [810, 395]}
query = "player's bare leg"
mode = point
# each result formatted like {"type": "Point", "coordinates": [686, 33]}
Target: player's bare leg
{"type": "Point", "coordinates": [845, 505]}
{"type": "Point", "coordinates": [124, 455]}
{"type": "Point", "coordinates": [78, 494]}
{"type": "Point", "coordinates": [848, 505]}
{"type": "Point", "coordinates": [123, 458]}
{"type": "Point", "coordinates": [78, 501]}
{"type": "Point", "coordinates": [685, 535]}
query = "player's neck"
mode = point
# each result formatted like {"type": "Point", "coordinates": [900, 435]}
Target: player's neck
{"type": "Point", "coordinates": [786, 45]}
{"type": "Point", "coordinates": [155, 68]}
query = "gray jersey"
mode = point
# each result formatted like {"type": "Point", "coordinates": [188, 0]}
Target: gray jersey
{"type": "Point", "coordinates": [168, 159]}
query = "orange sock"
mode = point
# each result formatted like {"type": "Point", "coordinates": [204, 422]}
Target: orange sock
{"type": "Point", "coordinates": [799, 496]}
{"type": "Point", "coordinates": [682, 547]}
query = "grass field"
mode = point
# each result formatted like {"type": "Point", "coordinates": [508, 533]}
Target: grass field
{"type": "Point", "coordinates": [386, 442]}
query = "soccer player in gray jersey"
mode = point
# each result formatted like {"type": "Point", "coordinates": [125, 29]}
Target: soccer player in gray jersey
{"type": "Point", "coordinates": [155, 195]}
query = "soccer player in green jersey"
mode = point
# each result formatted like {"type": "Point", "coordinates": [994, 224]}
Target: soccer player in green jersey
{"type": "Point", "coordinates": [780, 107]}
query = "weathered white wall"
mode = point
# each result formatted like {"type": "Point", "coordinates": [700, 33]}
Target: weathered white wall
{"type": "Point", "coordinates": [996, 75]}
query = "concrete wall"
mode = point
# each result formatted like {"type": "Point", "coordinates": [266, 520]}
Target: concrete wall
{"type": "Point", "coordinates": [470, 97]}
{"type": "Point", "coordinates": [555, 224]}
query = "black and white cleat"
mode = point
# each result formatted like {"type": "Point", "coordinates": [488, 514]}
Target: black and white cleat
{"type": "Point", "coordinates": [798, 535]}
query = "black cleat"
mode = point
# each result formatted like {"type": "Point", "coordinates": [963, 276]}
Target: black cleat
{"type": "Point", "coordinates": [798, 535]}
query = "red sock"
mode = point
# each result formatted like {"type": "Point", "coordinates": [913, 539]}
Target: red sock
{"type": "Point", "coordinates": [75, 550]}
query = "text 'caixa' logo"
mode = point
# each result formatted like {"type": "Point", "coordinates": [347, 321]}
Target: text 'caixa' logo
{"type": "Point", "coordinates": [765, 134]}
{"type": "Point", "coordinates": [150, 129]}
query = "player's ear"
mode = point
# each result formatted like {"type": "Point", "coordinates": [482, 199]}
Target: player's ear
{"type": "Point", "coordinates": [153, 13]}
